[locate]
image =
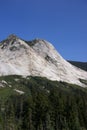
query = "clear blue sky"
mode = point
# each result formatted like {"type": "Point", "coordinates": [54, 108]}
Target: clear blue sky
{"type": "Point", "coordinates": [61, 22]}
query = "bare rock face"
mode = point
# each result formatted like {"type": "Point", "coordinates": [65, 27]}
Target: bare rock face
{"type": "Point", "coordinates": [37, 58]}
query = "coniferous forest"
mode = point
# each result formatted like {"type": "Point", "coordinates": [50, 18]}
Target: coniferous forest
{"type": "Point", "coordinates": [44, 105]}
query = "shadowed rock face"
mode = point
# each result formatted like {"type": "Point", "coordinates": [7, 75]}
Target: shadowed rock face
{"type": "Point", "coordinates": [37, 58]}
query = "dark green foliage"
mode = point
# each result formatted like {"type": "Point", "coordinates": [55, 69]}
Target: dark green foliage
{"type": "Point", "coordinates": [45, 105]}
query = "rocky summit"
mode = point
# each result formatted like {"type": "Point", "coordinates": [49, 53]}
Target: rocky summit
{"type": "Point", "coordinates": [37, 58]}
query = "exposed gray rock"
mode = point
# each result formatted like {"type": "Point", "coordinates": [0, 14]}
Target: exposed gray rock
{"type": "Point", "coordinates": [37, 58]}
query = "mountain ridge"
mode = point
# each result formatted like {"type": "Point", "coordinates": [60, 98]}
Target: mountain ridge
{"type": "Point", "coordinates": [37, 58]}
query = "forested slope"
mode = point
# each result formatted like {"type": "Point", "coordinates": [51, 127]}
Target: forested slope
{"type": "Point", "coordinates": [36, 103]}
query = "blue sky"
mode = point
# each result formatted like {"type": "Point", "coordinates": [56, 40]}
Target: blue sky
{"type": "Point", "coordinates": [61, 22]}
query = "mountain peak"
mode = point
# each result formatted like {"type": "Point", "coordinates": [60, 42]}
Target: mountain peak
{"type": "Point", "coordinates": [36, 58]}
{"type": "Point", "coordinates": [10, 39]}
{"type": "Point", "coordinates": [12, 36]}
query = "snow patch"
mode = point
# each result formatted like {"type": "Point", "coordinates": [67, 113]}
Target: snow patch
{"type": "Point", "coordinates": [3, 83]}
{"type": "Point", "coordinates": [19, 91]}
